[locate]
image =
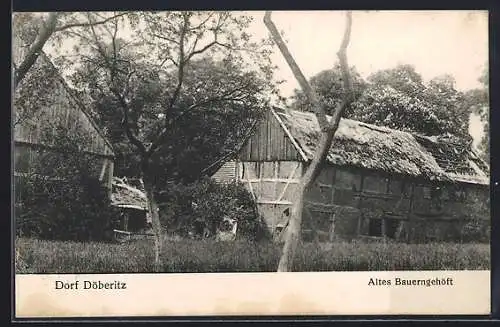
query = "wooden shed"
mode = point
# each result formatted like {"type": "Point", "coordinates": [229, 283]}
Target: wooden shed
{"type": "Point", "coordinates": [43, 97]}
{"type": "Point", "coordinates": [377, 182]}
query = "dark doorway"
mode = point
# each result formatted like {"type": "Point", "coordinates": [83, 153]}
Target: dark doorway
{"type": "Point", "coordinates": [375, 227]}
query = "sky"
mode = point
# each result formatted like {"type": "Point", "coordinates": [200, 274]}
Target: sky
{"type": "Point", "coordinates": [434, 42]}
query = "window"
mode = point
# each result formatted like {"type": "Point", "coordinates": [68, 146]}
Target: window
{"type": "Point", "coordinates": [391, 227]}
{"type": "Point", "coordinates": [457, 194]}
{"type": "Point", "coordinates": [394, 186]}
{"type": "Point", "coordinates": [374, 183]}
{"type": "Point", "coordinates": [375, 227]}
{"type": "Point", "coordinates": [427, 192]}
{"type": "Point", "coordinates": [383, 227]}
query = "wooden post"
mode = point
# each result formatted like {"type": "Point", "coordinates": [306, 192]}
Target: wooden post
{"type": "Point", "coordinates": [383, 226]}
{"type": "Point", "coordinates": [360, 218]}
{"type": "Point", "coordinates": [103, 170]}
{"type": "Point", "coordinates": [331, 234]}
{"type": "Point", "coordinates": [110, 176]}
{"type": "Point", "coordinates": [410, 213]}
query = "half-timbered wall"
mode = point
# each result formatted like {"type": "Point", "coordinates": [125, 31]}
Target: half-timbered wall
{"type": "Point", "coordinates": [352, 203]}
{"type": "Point", "coordinates": [272, 184]}
{"type": "Point", "coordinates": [349, 202]}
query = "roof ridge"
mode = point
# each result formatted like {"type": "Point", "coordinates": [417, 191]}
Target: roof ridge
{"type": "Point", "coordinates": [370, 146]}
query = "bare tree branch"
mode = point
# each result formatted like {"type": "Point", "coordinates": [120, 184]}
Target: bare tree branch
{"type": "Point", "coordinates": [311, 95]}
{"type": "Point", "coordinates": [88, 24]}
{"type": "Point", "coordinates": [114, 89]}
{"type": "Point", "coordinates": [46, 31]}
{"type": "Point", "coordinates": [181, 64]}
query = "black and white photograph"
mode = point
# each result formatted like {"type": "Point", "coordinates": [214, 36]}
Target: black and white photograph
{"type": "Point", "coordinates": [169, 142]}
{"type": "Point", "coordinates": [194, 142]}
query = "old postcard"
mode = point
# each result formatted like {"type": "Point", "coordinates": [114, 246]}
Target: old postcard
{"type": "Point", "coordinates": [251, 163]}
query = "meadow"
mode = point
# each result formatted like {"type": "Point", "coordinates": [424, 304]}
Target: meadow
{"type": "Point", "coordinates": [41, 256]}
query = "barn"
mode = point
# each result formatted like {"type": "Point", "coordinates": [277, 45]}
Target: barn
{"type": "Point", "coordinates": [377, 183]}
{"type": "Point", "coordinates": [43, 98]}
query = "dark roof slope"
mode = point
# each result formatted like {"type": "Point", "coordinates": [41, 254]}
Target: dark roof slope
{"type": "Point", "coordinates": [384, 149]}
{"type": "Point", "coordinates": [72, 99]}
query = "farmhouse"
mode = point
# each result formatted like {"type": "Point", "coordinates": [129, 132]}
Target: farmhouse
{"type": "Point", "coordinates": [42, 100]}
{"type": "Point", "coordinates": [377, 182]}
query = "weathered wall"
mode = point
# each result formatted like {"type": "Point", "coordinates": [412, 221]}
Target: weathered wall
{"type": "Point", "coordinates": [349, 202]}
{"type": "Point", "coordinates": [42, 102]}
{"type": "Point", "coordinates": [59, 106]}
{"type": "Point", "coordinates": [269, 143]}
{"type": "Point", "coordinates": [273, 184]}
{"type": "Point", "coordinates": [353, 202]}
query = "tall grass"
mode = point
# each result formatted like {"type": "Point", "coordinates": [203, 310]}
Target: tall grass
{"type": "Point", "coordinates": [36, 256]}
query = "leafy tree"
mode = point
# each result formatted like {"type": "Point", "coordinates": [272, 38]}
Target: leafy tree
{"type": "Point", "coordinates": [198, 137]}
{"type": "Point", "coordinates": [328, 85]}
{"type": "Point", "coordinates": [152, 79]}
{"type": "Point", "coordinates": [402, 78]}
{"type": "Point", "coordinates": [385, 106]}
{"type": "Point", "coordinates": [33, 30]}
{"type": "Point", "coordinates": [478, 102]}
{"type": "Point", "coordinates": [399, 99]}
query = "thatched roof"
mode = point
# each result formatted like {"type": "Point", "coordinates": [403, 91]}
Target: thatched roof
{"type": "Point", "coordinates": [384, 149]}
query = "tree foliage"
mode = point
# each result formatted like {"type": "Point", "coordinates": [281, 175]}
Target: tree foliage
{"type": "Point", "coordinates": [398, 98]}
{"type": "Point", "coordinates": [203, 205]}
{"type": "Point", "coordinates": [328, 86]}
{"type": "Point", "coordinates": [479, 103]}
{"type": "Point", "coordinates": [61, 196]}
{"type": "Point", "coordinates": [219, 103]}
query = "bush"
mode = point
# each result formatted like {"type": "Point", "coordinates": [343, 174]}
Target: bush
{"type": "Point", "coordinates": [65, 210]}
{"type": "Point", "coordinates": [204, 204]}
{"type": "Point", "coordinates": [60, 197]}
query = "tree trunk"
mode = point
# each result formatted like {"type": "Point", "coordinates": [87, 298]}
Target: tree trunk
{"type": "Point", "coordinates": [155, 218]}
{"type": "Point", "coordinates": [46, 31]}
{"type": "Point", "coordinates": [293, 232]}
{"type": "Point", "coordinates": [328, 129]}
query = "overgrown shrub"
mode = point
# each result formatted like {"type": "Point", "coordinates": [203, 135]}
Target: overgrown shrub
{"type": "Point", "coordinates": [61, 196]}
{"type": "Point", "coordinates": [205, 203]}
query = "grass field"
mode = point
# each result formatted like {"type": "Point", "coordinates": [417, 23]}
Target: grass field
{"type": "Point", "coordinates": [36, 256]}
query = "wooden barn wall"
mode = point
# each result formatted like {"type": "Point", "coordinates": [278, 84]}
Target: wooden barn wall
{"type": "Point", "coordinates": [349, 203]}
{"type": "Point", "coordinates": [62, 107]}
{"type": "Point", "coordinates": [269, 143]}
{"type": "Point", "coordinates": [354, 203]}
